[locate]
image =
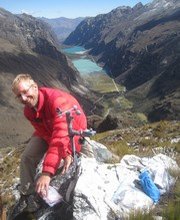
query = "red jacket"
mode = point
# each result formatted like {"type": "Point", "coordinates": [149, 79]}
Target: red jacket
{"type": "Point", "coordinates": [53, 128]}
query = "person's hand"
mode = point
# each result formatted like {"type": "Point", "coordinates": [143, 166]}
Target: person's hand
{"type": "Point", "coordinates": [42, 184]}
{"type": "Point", "coordinates": [67, 162]}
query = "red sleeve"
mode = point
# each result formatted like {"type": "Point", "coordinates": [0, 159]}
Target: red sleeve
{"type": "Point", "coordinates": [59, 145]}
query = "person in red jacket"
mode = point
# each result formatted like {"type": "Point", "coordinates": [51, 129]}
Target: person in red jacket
{"type": "Point", "coordinates": [51, 132]}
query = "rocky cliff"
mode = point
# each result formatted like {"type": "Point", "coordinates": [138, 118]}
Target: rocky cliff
{"type": "Point", "coordinates": [139, 47]}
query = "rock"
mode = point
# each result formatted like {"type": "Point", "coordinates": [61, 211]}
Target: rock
{"type": "Point", "coordinates": [96, 190]}
{"type": "Point", "coordinates": [109, 123]}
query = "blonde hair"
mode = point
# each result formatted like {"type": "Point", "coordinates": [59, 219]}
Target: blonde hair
{"type": "Point", "coordinates": [22, 77]}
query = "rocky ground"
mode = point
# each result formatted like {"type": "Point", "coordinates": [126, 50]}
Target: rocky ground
{"type": "Point", "coordinates": [143, 141]}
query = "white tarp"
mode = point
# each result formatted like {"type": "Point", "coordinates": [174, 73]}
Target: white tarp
{"type": "Point", "coordinates": [103, 190]}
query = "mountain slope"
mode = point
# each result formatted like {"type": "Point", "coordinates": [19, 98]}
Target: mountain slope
{"type": "Point", "coordinates": [138, 46]}
{"type": "Point", "coordinates": [63, 26]}
{"type": "Point", "coordinates": [23, 35]}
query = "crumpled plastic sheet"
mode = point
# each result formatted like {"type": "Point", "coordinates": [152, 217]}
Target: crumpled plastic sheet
{"type": "Point", "coordinates": [53, 197]}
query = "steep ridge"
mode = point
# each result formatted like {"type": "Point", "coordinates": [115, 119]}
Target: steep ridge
{"type": "Point", "coordinates": [27, 45]}
{"type": "Point", "coordinates": [139, 47]}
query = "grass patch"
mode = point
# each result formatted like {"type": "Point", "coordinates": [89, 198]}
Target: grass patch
{"type": "Point", "coordinates": [9, 168]}
{"type": "Point", "coordinates": [164, 129]}
{"type": "Point", "coordinates": [114, 143]}
{"type": "Point", "coordinates": [125, 103]}
{"type": "Point", "coordinates": [120, 148]}
{"type": "Point", "coordinates": [172, 212]}
{"type": "Point", "coordinates": [102, 83]}
{"type": "Point", "coordinates": [142, 141]}
{"type": "Point", "coordinates": [159, 130]}
{"type": "Point", "coordinates": [177, 147]}
{"type": "Point", "coordinates": [141, 216]}
{"type": "Point", "coordinates": [176, 190]}
{"type": "Point", "coordinates": [142, 117]}
{"type": "Point", "coordinates": [111, 96]}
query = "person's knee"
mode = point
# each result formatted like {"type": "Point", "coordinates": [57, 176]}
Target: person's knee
{"type": "Point", "coordinates": [28, 156]}
{"type": "Point", "coordinates": [25, 159]}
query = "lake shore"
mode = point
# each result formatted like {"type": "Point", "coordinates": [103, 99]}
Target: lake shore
{"type": "Point", "coordinates": [82, 60]}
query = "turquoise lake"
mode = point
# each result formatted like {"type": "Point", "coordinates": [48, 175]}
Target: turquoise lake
{"type": "Point", "coordinates": [74, 50]}
{"type": "Point", "coordinates": [86, 66]}
{"type": "Point", "coordinates": [83, 65]}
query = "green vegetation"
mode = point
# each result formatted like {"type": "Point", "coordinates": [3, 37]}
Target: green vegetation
{"type": "Point", "coordinates": [172, 210]}
{"type": "Point", "coordinates": [142, 117]}
{"type": "Point", "coordinates": [141, 216]}
{"type": "Point", "coordinates": [118, 147]}
{"type": "Point", "coordinates": [125, 103]}
{"type": "Point", "coordinates": [9, 168]}
{"type": "Point", "coordinates": [143, 141]}
{"type": "Point", "coordinates": [110, 95]}
{"type": "Point", "coordinates": [102, 83]}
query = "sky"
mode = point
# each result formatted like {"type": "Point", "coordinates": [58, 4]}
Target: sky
{"type": "Point", "coordinates": [65, 8]}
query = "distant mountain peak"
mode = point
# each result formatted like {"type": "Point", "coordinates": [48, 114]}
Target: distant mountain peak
{"type": "Point", "coordinates": [63, 26]}
{"type": "Point", "coordinates": [138, 6]}
{"type": "Point", "coordinates": [122, 9]}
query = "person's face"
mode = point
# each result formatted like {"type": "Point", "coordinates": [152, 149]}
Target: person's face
{"type": "Point", "coordinates": [27, 93]}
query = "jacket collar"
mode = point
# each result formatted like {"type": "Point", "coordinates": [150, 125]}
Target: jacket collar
{"type": "Point", "coordinates": [40, 102]}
